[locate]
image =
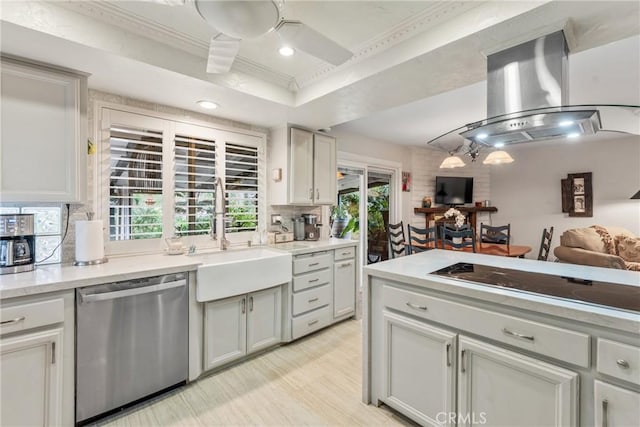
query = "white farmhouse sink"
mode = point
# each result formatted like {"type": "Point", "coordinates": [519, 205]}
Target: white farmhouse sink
{"type": "Point", "coordinates": [229, 273]}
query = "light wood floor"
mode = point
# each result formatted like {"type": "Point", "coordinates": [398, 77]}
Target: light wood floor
{"type": "Point", "coordinates": [311, 382]}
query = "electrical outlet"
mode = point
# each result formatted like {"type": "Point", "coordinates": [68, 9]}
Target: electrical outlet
{"type": "Point", "coordinates": [276, 219]}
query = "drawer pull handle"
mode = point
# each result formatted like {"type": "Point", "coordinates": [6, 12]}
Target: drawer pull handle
{"type": "Point", "coordinates": [517, 335]}
{"type": "Point", "coordinates": [313, 264]}
{"type": "Point", "coordinates": [605, 413]}
{"type": "Point", "coordinates": [417, 307]}
{"type": "Point", "coordinates": [448, 354]}
{"type": "Point", "coordinates": [346, 253]}
{"type": "Point", "coordinates": [313, 299]}
{"type": "Point", "coordinates": [313, 322]}
{"type": "Point", "coordinates": [462, 360]}
{"type": "Point", "coordinates": [12, 321]}
{"type": "Point", "coordinates": [314, 280]}
{"type": "Point", "coordinates": [346, 264]}
{"type": "Point", "coordinates": [623, 363]}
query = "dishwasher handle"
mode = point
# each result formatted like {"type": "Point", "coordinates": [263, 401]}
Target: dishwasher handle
{"type": "Point", "coordinates": [104, 296]}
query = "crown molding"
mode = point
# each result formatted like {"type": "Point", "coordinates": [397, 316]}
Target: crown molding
{"type": "Point", "coordinates": [111, 14]}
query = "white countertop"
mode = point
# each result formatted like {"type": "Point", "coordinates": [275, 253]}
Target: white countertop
{"type": "Point", "coordinates": [415, 270]}
{"type": "Point", "coordinates": [58, 277]}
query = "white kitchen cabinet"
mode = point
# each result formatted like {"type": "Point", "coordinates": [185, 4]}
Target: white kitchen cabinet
{"type": "Point", "coordinates": [307, 164]}
{"type": "Point", "coordinates": [31, 379]}
{"type": "Point", "coordinates": [503, 388]}
{"type": "Point", "coordinates": [344, 287]}
{"type": "Point", "coordinates": [418, 370]}
{"type": "Point", "coordinates": [240, 325]}
{"type": "Point", "coordinates": [43, 147]}
{"type": "Point", "coordinates": [615, 406]}
{"type": "Point", "coordinates": [264, 319]}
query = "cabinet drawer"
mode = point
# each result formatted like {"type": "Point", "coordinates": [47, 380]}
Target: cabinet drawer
{"type": "Point", "coordinates": [27, 316]}
{"type": "Point", "coordinates": [312, 321]}
{"type": "Point", "coordinates": [317, 278]}
{"type": "Point", "coordinates": [345, 253]}
{"type": "Point", "coordinates": [559, 343]}
{"type": "Point", "coordinates": [615, 406]}
{"type": "Point", "coordinates": [311, 299]}
{"type": "Point", "coordinates": [313, 262]}
{"type": "Point", "coordinates": [619, 360]}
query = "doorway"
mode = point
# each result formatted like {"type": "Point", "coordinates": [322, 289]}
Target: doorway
{"type": "Point", "coordinates": [378, 188]}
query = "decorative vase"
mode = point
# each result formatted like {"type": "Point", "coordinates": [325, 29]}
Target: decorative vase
{"type": "Point", "coordinates": [426, 202]}
{"type": "Point", "coordinates": [338, 225]}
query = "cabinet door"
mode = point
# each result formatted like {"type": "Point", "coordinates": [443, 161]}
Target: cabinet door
{"type": "Point", "coordinates": [31, 379]}
{"type": "Point", "coordinates": [43, 150]}
{"type": "Point", "coordinates": [301, 167]}
{"type": "Point", "coordinates": [344, 288]}
{"type": "Point", "coordinates": [264, 319]}
{"type": "Point", "coordinates": [324, 170]}
{"type": "Point", "coordinates": [224, 331]}
{"type": "Point", "coordinates": [419, 370]}
{"type": "Point", "coordinates": [615, 406]}
{"type": "Point", "coordinates": [502, 388]}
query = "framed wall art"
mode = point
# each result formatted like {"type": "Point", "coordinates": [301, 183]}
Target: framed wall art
{"type": "Point", "coordinates": [577, 195]}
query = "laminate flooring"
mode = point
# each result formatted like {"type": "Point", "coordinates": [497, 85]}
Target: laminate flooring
{"type": "Point", "coordinates": [311, 382]}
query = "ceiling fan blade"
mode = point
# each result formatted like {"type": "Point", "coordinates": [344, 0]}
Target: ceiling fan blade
{"type": "Point", "coordinates": [305, 38]}
{"type": "Point", "coordinates": [222, 52]}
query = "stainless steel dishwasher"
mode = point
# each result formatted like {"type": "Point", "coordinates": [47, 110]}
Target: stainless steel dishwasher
{"type": "Point", "coordinates": [131, 342]}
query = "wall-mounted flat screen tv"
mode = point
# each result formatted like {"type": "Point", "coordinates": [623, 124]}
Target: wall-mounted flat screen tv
{"type": "Point", "coordinates": [454, 190]}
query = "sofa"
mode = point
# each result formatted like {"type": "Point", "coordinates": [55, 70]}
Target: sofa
{"type": "Point", "coordinates": [611, 247]}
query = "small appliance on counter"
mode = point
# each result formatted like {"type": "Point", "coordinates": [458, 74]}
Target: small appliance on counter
{"type": "Point", "coordinates": [17, 243]}
{"type": "Point", "coordinates": [298, 228]}
{"type": "Point", "coordinates": [311, 227]}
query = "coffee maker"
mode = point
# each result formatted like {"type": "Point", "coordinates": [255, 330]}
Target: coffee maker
{"type": "Point", "coordinates": [17, 243]}
{"type": "Point", "coordinates": [311, 227]}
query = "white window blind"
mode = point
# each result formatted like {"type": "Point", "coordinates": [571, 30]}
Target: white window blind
{"type": "Point", "coordinates": [195, 174]}
{"type": "Point", "coordinates": [241, 183]}
{"type": "Point", "coordinates": [135, 184]}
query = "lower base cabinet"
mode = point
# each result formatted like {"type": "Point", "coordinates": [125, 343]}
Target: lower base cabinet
{"type": "Point", "coordinates": [422, 371]}
{"type": "Point", "coordinates": [615, 406]}
{"type": "Point", "coordinates": [31, 379]}
{"type": "Point", "coordinates": [240, 325]}
{"type": "Point", "coordinates": [503, 388]}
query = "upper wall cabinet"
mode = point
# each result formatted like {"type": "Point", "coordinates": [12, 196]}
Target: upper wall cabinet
{"type": "Point", "coordinates": [303, 164]}
{"type": "Point", "coordinates": [43, 140]}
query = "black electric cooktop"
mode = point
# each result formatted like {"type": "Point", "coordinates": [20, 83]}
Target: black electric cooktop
{"type": "Point", "coordinates": [624, 297]}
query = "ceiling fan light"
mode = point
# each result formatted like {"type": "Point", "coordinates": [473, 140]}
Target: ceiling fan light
{"type": "Point", "coordinates": [452, 162]}
{"type": "Point", "coordinates": [497, 158]}
{"type": "Point", "coordinates": [209, 105]}
{"type": "Point", "coordinates": [286, 51]}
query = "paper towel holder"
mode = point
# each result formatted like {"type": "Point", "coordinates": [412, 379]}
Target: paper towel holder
{"type": "Point", "coordinates": [93, 262]}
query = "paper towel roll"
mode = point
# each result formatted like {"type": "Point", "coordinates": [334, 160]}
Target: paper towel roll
{"type": "Point", "coordinates": [89, 241]}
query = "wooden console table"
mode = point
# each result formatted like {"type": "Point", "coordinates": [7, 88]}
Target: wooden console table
{"type": "Point", "coordinates": [471, 212]}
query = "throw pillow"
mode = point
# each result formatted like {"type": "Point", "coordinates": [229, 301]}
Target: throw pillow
{"type": "Point", "coordinates": [628, 248]}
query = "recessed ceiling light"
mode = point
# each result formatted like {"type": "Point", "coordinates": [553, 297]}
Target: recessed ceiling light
{"type": "Point", "coordinates": [565, 123]}
{"type": "Point", "coordinates": [209, 105]}
{"type": "Point", "coordinates": [573, 135]}
{"type": "Point", "coordinates": [499, 144]}
{"type": "Point", "coordinates": [482, 135]}
{"type": "Point", "coordinates": [286, 51]}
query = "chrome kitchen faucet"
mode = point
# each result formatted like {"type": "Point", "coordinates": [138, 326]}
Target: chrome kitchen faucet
{"type": "Point", "coordinates": [224, 243]}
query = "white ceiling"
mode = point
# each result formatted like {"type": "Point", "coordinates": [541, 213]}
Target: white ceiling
{"type": "Point", "coordinates": [418, 68]}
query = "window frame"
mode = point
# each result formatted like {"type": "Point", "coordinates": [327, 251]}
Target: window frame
{"type": "Point", "coordinates": [108, 115]}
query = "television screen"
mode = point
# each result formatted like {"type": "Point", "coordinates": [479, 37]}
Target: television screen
{"type": "Point", "coordinates": [454, 190]}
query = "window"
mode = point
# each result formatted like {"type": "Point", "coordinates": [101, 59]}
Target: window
{"type": "Point", "coordinates": [241, 183]}
{"type": "Point", "coordinates": [162, 178]}
{"type": "Point", "coordinates": [195, 181]}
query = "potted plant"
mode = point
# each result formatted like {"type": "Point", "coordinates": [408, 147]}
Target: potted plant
{"type": "Point", "coordinates": [340, 218]}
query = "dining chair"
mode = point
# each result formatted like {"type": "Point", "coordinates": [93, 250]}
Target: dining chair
{"type": "Point", "coordinates": [467, 238]}
{"type": "Point", "coordinates": [500, 234]}
{"type": "Point", "coordinates": [396, 241]}
{"type": "Point", "coordinates": [545, 244]}
{"type": "Point", "coordinates": [421, 239]}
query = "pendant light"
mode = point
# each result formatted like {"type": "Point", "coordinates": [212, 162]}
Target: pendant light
{"type": "Point", "coordinates": [497, 158]}
{"type": "Point", "coordinates": [452, 162]}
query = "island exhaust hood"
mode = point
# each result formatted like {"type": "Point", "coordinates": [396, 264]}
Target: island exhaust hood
{"type": "Point", "coordinates": [527, 97]}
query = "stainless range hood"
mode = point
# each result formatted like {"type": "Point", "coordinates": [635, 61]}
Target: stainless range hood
{"type": "Point", "coordinates": [527, 97]}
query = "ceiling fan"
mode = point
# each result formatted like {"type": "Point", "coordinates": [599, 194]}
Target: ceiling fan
{"type": "Point", "coordinates": [247, 19]}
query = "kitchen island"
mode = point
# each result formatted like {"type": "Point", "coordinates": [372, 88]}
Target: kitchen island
{"type": "Point", "coordinates": [444, 350]}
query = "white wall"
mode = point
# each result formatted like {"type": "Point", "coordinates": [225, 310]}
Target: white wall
{"type": "Point", "coordinates": [527, 192]}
